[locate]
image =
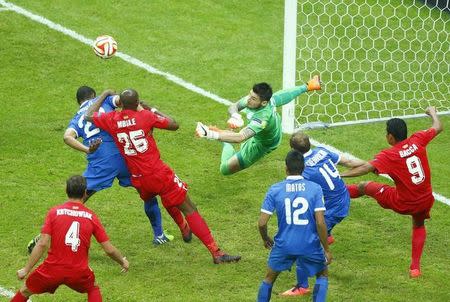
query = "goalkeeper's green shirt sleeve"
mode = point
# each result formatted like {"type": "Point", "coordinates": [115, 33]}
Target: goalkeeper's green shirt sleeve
{"type": "Point", "coordinates": [283, 97]}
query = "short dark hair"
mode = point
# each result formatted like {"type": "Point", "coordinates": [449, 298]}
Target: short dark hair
{"type": "Point", "coordinates": [397, 128]}
{"type": "Point", "coordinates": [76, 187]}
{"type": "Point", "coordinates": [295, 162]}
{"type": "Point", "coordinates": [129, 98]}
{"type": "Point", "coordinates": [85, 93]}
{"type": "Point", "coordinates": [300, 142]}
{"type": "Point", "coordinates": [263, 90]}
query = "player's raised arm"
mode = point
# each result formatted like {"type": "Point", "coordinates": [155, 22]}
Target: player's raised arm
{"type": "Point", "coordinates": [436, 123]}
{"type": "Point", "coordinates": [96, 106]}
{"type": "Point", "coordinates": [226, 136]}
{"type": "Point", "coordinates": [235, 120]}
{"type": "Point", "coordinates": [40, 248]}
{"type": "Point", "coordinates": [359, 170]}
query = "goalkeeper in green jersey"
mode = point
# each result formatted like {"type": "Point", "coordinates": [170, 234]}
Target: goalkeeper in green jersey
{"type": "Point", "coordinates": [262, 134]}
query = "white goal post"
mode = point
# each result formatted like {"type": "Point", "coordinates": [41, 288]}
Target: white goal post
{"type": "Point", "coordinates": [377, 59]}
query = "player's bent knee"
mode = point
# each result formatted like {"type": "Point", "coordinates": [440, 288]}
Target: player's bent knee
{"type": "Point", "coordinates": [224, 169]}
{"type": "Point", "coordinates": [362, 187]}
{"type": "Point", "coordinates": [323, 273]}
{"type": "Point", "coordinates": [25, 291]}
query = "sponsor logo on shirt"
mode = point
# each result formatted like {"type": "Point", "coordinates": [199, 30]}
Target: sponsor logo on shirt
{"type": "Point", "coordinates": [258, 123]}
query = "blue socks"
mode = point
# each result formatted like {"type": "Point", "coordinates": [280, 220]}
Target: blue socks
{"type": "Point", "coordinates": [302, 278]}
{"type": "Point", "coordinates": [154, 215]}
{"type": "Point", "coordinates": [320, 289]}
{"type": "Point", "coordinates": [265, 290]}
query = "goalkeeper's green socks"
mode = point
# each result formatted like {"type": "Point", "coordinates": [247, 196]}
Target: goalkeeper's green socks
{"type": "Point", "coordinates": [227, 153]}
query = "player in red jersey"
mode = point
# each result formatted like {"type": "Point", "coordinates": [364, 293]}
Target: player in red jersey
{"type": "Point", "coordinates": [67, 229]}
{"type": "Point", "coordinates": [406, 163]}
{"type": "Point", "coordinates": [132, 130]}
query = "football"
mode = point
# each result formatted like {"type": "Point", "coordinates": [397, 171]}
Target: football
{"type": "Point", "coordinates": [105, 46]}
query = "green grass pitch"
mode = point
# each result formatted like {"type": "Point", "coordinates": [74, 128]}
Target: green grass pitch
{"type": "Point", "coordinates": [223, 47]}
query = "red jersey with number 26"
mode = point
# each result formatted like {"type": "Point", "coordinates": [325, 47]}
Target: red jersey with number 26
{"type": "Point", "coordinates": [71, 226]}
{"type": "Point", "coordinates": [132, 131]}
{"type": "Point", "coordinates": [407, 164]}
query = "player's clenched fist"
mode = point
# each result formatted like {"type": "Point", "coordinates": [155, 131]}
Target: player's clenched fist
{"type": "Point", "coordinates": [235, 121]}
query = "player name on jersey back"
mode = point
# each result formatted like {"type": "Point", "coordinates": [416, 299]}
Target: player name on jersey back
{"type": "Point", "coordinates": [295, 187]}
{"type": "Point", "coordinates": [73, 213]}
{"type": "Point", "coordinates": [311, 162]}
{"type": "Point", "coordinates": [407, 152]}
{"type": "Point", "coordinates": [126, 123]}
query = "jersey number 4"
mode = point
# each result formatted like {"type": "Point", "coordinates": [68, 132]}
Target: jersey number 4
{"type": "Point", "coordinates": [73, 236]}
{"type": "Point", "coordinates": [133, 142]}
{"type": "Point", "coordinates": [294, 209]}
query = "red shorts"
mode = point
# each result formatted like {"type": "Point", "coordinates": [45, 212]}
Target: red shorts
{"type": "Point", "coordinates": [386, 196]}
{"type": "Point", "coordinates": [47, 278]}
{"type": "Point", "coordinates": [164, 183]}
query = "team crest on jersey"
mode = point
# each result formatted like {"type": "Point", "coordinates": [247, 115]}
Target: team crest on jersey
{"type": "Point", "coordinates": [258, 123]}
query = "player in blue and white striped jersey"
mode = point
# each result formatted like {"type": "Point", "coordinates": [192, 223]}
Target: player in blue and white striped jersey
{"type": "Point", "coordinates": [302, 232]}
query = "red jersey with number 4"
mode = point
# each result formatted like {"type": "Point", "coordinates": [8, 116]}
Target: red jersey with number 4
{"type": "Point", "coordinates": [407, 164]}
{"type": "Point", "coordinates": [132, 132]}
{"type": "Point", "coordinates": [71, 226]}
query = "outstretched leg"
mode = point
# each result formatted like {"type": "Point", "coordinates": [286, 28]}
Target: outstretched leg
{"type": "Point", "coordinates": [202, 231]}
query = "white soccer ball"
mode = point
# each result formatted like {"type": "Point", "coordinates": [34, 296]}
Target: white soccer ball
{"type": "Point", "coordinates": [105, 46]}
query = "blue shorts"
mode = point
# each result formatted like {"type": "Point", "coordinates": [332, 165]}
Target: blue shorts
{"type": "Point", "coordinates": [100, 174]}
{"type": "Point", "coordinates": [331, 221]}
{"type": "Point", "coordinates": [312, 264]}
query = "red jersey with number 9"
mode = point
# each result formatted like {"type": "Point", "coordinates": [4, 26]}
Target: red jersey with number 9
{"type": "Point", "coordinates": [71, 226]}
{"type": "Point", "coordinates": [407, 164]}
{"type": "Point", "coordinates": [132, 132]}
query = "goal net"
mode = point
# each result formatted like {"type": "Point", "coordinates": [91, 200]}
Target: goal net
{"type": "Point", "coordinates": [376, 59]}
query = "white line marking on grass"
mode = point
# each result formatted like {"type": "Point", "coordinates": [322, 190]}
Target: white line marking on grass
{"type": "Point", "coordinates": [123, 56]}
{"type": "Point", "coordinates": [151, 69]}
{"type": "Point", "coordinates": [6, 292]}
{"type": "Point", "coordinates": [4, 9]}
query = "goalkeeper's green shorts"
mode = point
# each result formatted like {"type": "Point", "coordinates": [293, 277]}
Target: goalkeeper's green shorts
{"type": "Point", "coordinates": [251, 151]}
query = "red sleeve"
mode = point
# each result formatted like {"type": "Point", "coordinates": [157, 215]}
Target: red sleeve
{"type": "Point", "coordinates": [424, 137]}
{"type": "Point", "coordinates": [381, 163]}
{"type": "Point", "coordinates": [99, 231]}
{"type": "Point", "coordinates": [47, 227]}
{"type": "Point", "coordinates": [159, 121]}
{"type": "Point", "coordinates": [102, 121]}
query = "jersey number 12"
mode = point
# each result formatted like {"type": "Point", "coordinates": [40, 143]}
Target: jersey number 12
{"type": "Point", "coordinates": [294, 209]}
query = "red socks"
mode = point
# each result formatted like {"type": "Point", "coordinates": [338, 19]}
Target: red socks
{"type": "Point", "coordinates": [19, 298]}
{"type": "Point", "coordinates": [177, 217]}
{"type": "Point", "coordinates": [201, 230]}
{"type": "Point", "coordinates": [353, 190]}
{"type": "Point", "coordinates": [94, 295]}
{"type": "Point", "coordinates": [419, 234]}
